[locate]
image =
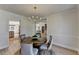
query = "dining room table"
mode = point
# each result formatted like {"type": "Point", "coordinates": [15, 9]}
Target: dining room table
{"type": "Point", "coordinates": [36, 41]}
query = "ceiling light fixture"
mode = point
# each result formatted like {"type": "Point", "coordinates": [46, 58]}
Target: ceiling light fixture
{"type": "Point", "coordinates": [35, 17]}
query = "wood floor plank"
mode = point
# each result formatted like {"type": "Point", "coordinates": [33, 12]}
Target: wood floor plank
{"type": "Point", "coordinates": [63, 51]}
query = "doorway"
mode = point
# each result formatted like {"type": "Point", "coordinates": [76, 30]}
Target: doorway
{"type": "Point", "coordinates": [41, 27]}
{"type": "Point", "coordinates": [14, 29]}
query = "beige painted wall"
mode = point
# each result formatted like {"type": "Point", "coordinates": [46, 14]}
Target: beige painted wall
{"type": "Point", "coordinates": [63, 27]}
{"type": "Point", "coordinates": [4, 18]}
{"type": "Point", "coordinates": [27, 27]}
{"type": "Point", "coordinates": [78, 26]}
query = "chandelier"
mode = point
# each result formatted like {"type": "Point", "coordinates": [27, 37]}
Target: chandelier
{"type": "Point", "coordinates": [35, 17]}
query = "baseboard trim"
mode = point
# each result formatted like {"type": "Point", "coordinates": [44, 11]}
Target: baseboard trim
{"type": "Point", "coordinates": [3, 47]}
{"type": "Point", "coordinates": [78, 52]}
{"type": "Point", "coordinates": [66, 47]}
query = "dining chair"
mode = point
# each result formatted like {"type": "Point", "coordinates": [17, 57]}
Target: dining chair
{"type": "Point", "coordinates": [47, 46]}
{"type": "Point", "coordinates": [22, 36]}
{"type": "Point", "coordinates": [27, 49]}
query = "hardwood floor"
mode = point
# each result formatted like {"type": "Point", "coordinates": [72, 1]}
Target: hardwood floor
{"type": "Point", "coordinates": [63, 51]}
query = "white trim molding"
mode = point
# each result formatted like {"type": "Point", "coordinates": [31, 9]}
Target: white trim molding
{"type": "Point", "coordinates": [67, 47]}
{"type": "Point", "coordinates": [3, 47]}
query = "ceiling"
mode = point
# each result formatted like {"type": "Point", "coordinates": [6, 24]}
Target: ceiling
{"type": "Point", "coordinates": [42, 9]}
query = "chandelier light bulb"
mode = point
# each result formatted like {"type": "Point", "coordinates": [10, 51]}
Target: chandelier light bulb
{"type": "Point", "coordinates": [32, 16]}
{"type": "Point", "coordinates": [40, 18]}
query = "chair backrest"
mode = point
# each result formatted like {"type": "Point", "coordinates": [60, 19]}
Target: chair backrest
{"type": "Point", "coordinates": [22, 36]}
{"type": "Point", "coordinates": [26, 49]}
{"type": "Point", "coordinates": [50, 42]}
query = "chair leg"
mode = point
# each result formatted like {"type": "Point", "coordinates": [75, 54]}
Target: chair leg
{"type": "Point", "coordinates": [39, 52]}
